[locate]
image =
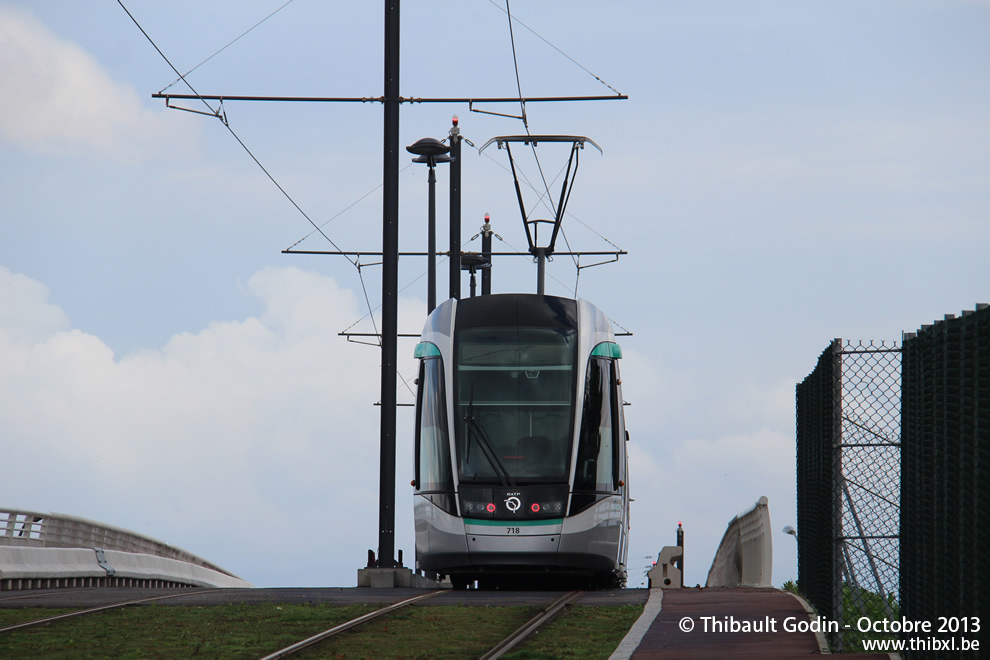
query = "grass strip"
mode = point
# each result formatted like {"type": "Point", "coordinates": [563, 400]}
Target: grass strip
{"type": "Point", "coordinates": [12, 616]}
{"type": "Point", "coordinates": [427, 633]}
{"type": "Point", "coordinates": [580, 631]}
{"type": "Point", "coordinates": [251, 631]}
{"type": "Point", "coordinates": [164, 632]}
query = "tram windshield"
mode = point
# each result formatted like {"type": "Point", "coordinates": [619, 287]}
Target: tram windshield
{"type": "Point", "coordinates": [515, 392]}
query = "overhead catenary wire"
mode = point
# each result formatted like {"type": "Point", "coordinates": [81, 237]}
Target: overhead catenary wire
{"type": "Point", "coordinates": [381, 99]}
{"type": "Point", "coordinates": [522, 104]}
{"type": "Point", "coordinates": [219, 113]}
{"type": "Point", "coordinates": [223, 120]}
{"type": "Point", "coordinates": [343, 211]}
{"type": "Point", "coordinates": [542, 199]}
{"type": "Point", "coordinates": [567, 213]}
{"type": "Point", "coordinates": [515, 63]}
{"type": "Point", "coordinates": [549, 43]}
{"type": "Point", "coordinates": [230, 43]}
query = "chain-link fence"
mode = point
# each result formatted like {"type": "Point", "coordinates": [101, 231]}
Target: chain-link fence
{"type": "Point", "coordinates": [884, 541]}
{"type": "Point", "coordinates": [849, 465]}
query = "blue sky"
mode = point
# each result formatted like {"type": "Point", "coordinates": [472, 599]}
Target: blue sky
{"type": "Point", "coordinates": [783, 173]}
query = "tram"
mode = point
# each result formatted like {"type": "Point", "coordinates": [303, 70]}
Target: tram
{"type": "Point", "coordinates": [520, 445]}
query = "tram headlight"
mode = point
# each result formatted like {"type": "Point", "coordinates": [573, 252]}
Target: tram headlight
{"type": "Point", "coordinates": [549, 507]}
{"type": "Point", "coordinates": [478, 507]}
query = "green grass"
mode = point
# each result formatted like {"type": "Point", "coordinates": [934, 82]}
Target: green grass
{"type": "Point", "coordinates": [9, 617]}
{"type": "Point", "coordinates": [252, 631]}
{"type": "Point", "coordinates": [581, 632]}
{"type": "Point", "coordinates": [157, 631]}
{"type": "Point", "coordinates": [429, 633]}
{"type": "Point", "coordinates": [856, 603]}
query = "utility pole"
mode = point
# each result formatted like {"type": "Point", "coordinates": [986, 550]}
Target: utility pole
{"type": "Point", "coordinates": [390, 289]}
{"type": "Point", "coordinates": [391, 101]}
{"type": "Point", "coordinates": [486, 252]}
{"type": "Point", "coordinates": [455, 209]}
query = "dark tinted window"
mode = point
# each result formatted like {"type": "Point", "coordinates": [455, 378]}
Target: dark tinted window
{"type": "Point", "coordinates": [597, 461]}
{"type": "Point", "coordinates": [515, 390]}
{"type": "Point", "coordinates": [433, 468]}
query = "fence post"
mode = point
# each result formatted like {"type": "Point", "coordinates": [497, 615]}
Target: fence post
{"type": "Point", "coordinates": [838, 549]}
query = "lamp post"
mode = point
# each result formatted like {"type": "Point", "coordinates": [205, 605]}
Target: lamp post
{"type": "Point", "coordinates": [473, 262]}
{"type": "Point", "coordinates": [486, 252]}
{"type": "Point", "coordinates": [455, 208]}
{"type": "Point", "coordinates": [431, 151]}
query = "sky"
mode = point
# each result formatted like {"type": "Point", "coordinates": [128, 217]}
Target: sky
{"type": "Point", "coordinates": [781, 174]}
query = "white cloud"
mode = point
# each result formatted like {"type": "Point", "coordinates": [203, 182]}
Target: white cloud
{"type": "Point", "coordinates": [58, 98]}
{"type": "Point", "coordinates": [704, 482]}
{"type": "Point", "coordinates": [257, 439]}
{"type": "Point", "coordinates": [25, 313]}
{"type": "Point", "coordinates": [244, 440]}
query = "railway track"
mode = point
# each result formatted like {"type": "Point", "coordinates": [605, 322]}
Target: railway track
{"type": "Point", "coordinates": [510, 642]}
{"type": "Point", "coordinates": [326, 634]}
{"type": "Point", "coordinates": [497, 651]}
{"type": "Point", "coordinates": [532, 625]}
{"type": "Point", "coordinates": [4, 599]}
{"type": "Point", "coordinates": [94, 610]}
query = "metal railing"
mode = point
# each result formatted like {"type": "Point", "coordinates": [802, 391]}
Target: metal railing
{"type": "Point", "coordinates": [19, 527]}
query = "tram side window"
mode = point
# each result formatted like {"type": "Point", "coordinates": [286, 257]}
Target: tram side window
{"type": "Point", "coordinates": [433, 468]}
{"type": "Point", "coordinates": [597, 462]}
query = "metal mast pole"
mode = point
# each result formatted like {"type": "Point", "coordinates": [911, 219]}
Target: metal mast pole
{"type": "Point", "coordinates": [455, 209]}
{"type": "Point", "coordinates": [390, 287]}
{"type": "Point", "coordinates": [486, 252]}
{"type": "Point", "coordinates": [541, 270]}
{"type": "Point", "coordinates": [431, 241]}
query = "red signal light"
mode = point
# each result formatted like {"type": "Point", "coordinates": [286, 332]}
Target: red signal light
{"type": "Point", "coordinates": [535, 507]}
{"type": "Point", "coordinates": [490, 507]}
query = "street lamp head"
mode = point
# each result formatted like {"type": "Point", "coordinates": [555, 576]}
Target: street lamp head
{"type": "Point", "coordinates": [472, 261]}
{"type": "Point", "coordinates": [428, 147]}
{"type": "Point", "coordinates": [432, 159]}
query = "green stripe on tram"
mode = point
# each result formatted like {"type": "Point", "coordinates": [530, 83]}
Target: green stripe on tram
{"type": "Point", "coordinates": [607, 349]}
{"type": "Point", "coordinates": [426, 349]}
{"type": "Point", "coordinates": [513, 523]}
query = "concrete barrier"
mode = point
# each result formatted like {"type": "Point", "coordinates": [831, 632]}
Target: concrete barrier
{"type": "Point", "coordinates": [18, 563]}
{"type": "Point", "coordinates": [745, 555]}
{"type": "Point", "coordinates": [148, 567]}
{"type": "Point", "coordinates": [666, 574]}
{"type": "Point", "coordinates": [41, 568]}
{"type": "Point", "coordinates": [41, 550]}
{"type": "Point", "coordinates": [59, 530]}
{"type": "Point", "coordinates": [389, 578]}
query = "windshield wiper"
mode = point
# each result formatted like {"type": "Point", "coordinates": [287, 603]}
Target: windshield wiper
{"type": "Point", "coordinates": [485, 443]}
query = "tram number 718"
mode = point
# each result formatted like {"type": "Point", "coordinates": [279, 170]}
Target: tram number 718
{"type": "Point", "coordinates": [511, 530]}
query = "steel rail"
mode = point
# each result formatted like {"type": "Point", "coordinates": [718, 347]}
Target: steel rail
{"type": "Point", "coordinates": [532, 625]}
{"type": "Point", "coordinates": [101, 608]}
{"type": "Point", "coordinates": [315, 639]}
{"type": "Point", "coordinates": [46, 591]}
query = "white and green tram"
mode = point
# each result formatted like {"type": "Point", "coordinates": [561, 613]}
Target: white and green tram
{"type": "Point", "coordinates": [520, 452]}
